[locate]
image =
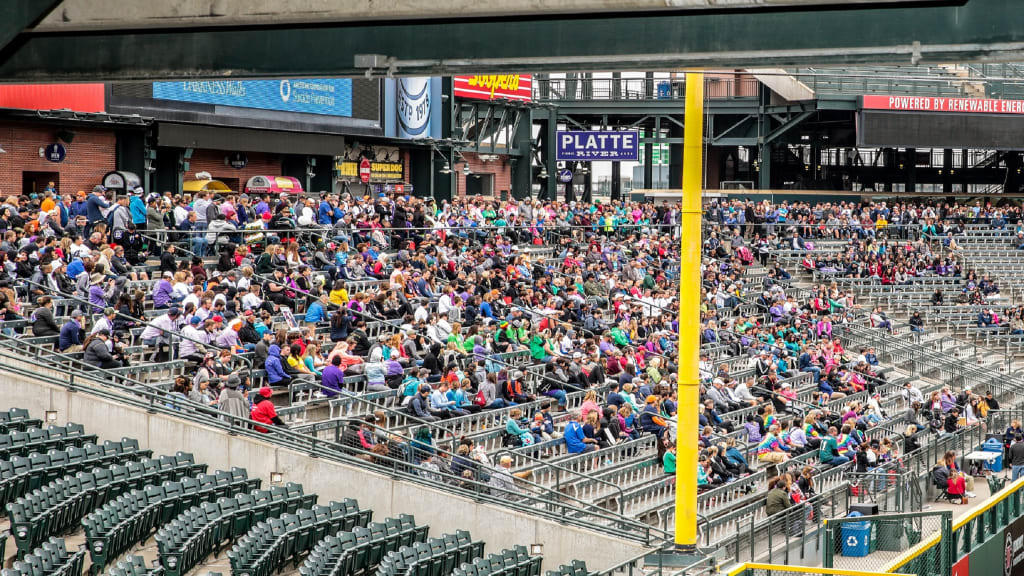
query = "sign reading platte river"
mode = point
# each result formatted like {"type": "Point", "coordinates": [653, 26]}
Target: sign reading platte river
{"type": "Point", "coordinates": [590, 145]}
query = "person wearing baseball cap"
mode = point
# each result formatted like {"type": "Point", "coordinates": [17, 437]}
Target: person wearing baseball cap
{"type": "Point", "coordinates": [72, 333]}
{"type": "Point", "coordinates": [106, 321]}
{"type": "Point", "coordinates": [263, 410]}
{"type": "Point", "coordinates": [98, 354]}
{"type": "Point", "coordinates": [159, 330]}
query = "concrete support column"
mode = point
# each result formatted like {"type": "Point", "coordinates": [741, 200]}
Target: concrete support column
{"type": "Point", "coordinates": [616, 181]}
{"type": "Point", "coordinates": [764, 180]}
{"type": "Point", "coordinates": [549, 185]}
{"type": "Point", "coordinates": [588, 183]}
{"type": "Point", "coordinates": [910, 167]}
{"type": "Point", "coordinates": [522, 171]}
{"type": "Point", "coordinates": [1013, 164]}
{"type": "Point", "coordinates": [675, 155]}
{"type": "Point", "coordinates": [947, 171]}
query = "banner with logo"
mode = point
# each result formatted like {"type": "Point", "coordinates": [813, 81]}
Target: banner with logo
{"type": "Point", "coordinates": [414, 102]}
{"type": "Point", "coordinates": [517, 87]}
{"type": "Point", "coordinates": [326, 96]}
{"type": "Point", "coordinates": [1013, 549]}
{"type": "Point", "coordinates": [379, 171]}
{"type": "Point", "coordinates": [942, 104]}
{"type": "Point", "coordinates": [412, 108]}
{"type": "Point", "coordinates": [586, 145]}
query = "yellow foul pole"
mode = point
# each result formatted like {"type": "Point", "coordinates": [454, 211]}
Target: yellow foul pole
{"type": "Point", "coordinates": [689, 315]}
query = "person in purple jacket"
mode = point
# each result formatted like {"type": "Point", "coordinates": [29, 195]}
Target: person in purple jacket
{"type": "Point", "coordinates": [163, 292]}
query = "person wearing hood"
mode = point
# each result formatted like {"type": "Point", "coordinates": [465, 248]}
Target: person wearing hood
{"type": "Point", "coordinates": [231, 400]}
{"type": "Point", "coordinates": [432, 363]}
{"type": "Point", "coordinates": [276, 375]}
{"type": "Point", "coordinates": [263, 411]}
{"type": "Point", "coordinates": [376, 371]}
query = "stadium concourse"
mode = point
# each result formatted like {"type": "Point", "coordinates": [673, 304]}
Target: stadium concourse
{"type": "Point", "coordinates": [518, 353]}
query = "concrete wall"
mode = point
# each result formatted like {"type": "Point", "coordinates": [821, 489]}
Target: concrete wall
{"type": "Point", "coordinates": [497, 526]}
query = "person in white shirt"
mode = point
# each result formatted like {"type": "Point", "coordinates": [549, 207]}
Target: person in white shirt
{"type": "Point", "coordinates": [160, 330]}
{"type": "Point", "coordinates": [446, 302]}
{"type": "Point", "coordinates": [180, 290]}
{"type": "Point", "coordinates": [421, 314]}
{"type": "Point", "coordinates": [742, 393]}
{"type": "Point", "coordinates": [199, 206]}
{"type": "Point", "coordinates": [912, 394]}
{"type": "Point", "coordinates": [250, 299]}
{"type": "Point", "coordinates": [105, 322]}
{"type": "Point", "coordinates": [188, 347]}
{"type": "Point", "coordinates": [439, 330]}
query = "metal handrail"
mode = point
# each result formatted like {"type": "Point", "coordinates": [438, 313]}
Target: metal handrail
{"type": "Point", "coordinates": [436, 425]}
{"type": "Point", "coordinates": [154, 400]}
{"type": "Point", "coordinates": [171, 336]}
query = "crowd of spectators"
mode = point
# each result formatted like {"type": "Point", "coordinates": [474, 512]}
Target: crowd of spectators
{"type": "Point", "coordinates": [288, 286]}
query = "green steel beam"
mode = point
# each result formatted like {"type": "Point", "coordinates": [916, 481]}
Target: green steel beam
{"type": "Point", "coordinates": [17, 16]}
{"type": "Point", "coordinates": [789, 125]}
{"type": "Point", "coordinates": [848, 34]}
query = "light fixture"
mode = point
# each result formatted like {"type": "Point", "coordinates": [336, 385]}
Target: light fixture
{"type": "Point", "coordinates": [2, 151]}
{"type": "Point", "coordinates": [447, 168]}
{"type": "Point", "coordinates": [51, 415]}
{"type": "Point", "coordinates": [465, 169]}
{"type": "Point", "coordinates": [543, 172]}
{"type": "Point", "coordinates": [276, 478]}
{"type": "Point", "coordinates": [536, 549]}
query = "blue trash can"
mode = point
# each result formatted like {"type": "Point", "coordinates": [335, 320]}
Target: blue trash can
{"type": "Point", "coordinates": [994, 445]}
{"type": "Point", "coordinates": [856, 537]}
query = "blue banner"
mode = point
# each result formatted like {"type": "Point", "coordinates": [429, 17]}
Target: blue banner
{"type": "Point", "coordinates": [590, 145]}
{"type": "Point", "coordinates": [326, 96]}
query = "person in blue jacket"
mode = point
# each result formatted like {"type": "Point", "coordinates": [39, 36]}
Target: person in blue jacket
{"type": "Point", "coordinates": [137, 209]}
{"type": "Point", "coordinates": [95, 205]}
{"type": "Point", "coordinates": [276, 375]}
{"type": "Point", "coordinates": [70, 338]}
{"type": "Point", "coordinates": [575, 441]}
{"type": "Point", "coordinates": [325, 213]}
{"type": "Point", "coordinates": [317, 311]}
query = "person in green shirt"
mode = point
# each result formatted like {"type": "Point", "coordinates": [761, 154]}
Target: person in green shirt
{"type": "Point", "coordinates": [619, 336]}
{"type": "Point", "coordinates": [455, 337]}
{"type": "Point", "coordinates": [828, 452]}
{"type": "Point", "coordinates": [540, 346]}
{"type": "Point", "coordinates": [669, 461]}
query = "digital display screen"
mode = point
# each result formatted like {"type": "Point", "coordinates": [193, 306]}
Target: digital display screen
{"type": "Point", "coordinates": [941, 130]}
{"type": "Point", "coordinates": [324, 96]}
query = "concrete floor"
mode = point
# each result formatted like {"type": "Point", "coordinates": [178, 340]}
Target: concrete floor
{"type": "Point", "coordinates": [876, 560]}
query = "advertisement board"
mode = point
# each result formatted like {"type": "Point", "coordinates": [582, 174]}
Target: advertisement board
{"type": "Point", "coordinates": [586, 145]}
{"type": "Point", "coordinates": [412, 107]}
{"type": "Point", "coordinates": [76, 97]}
{"type": "Point", "coordinates": [379, 171]}
{"type": "Point", "coordinates": [414, 101]}
{"type": "Point", "coordinates": [1013, 549]}
{"type": "Point", "coordinates": [517, 87]}
{"type": "Point", "coordinates": [942, 104]}
{"type": "Point", "coordinates": [324, 96]}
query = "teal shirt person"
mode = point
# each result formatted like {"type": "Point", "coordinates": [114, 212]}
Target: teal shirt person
{"type": "Point", "coordinates": [669, 462]}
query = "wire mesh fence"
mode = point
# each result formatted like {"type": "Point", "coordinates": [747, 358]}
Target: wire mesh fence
{"type": "Point", "coordinates": [920, 540]}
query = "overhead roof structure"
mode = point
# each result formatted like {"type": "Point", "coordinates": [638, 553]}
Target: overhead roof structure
{"type": "Point", "coordinates": [124, 40]}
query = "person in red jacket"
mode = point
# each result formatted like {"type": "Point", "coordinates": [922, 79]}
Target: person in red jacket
{"type": "Point", "coordinates": [263, 410]}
